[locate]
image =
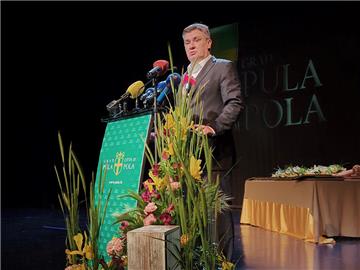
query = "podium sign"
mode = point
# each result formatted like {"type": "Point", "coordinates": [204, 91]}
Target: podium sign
{"type": "Point", "coordinates": [122, 156]}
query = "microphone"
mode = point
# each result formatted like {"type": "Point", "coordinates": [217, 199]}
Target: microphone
{"type": "Point", "coordinates": [175, 78]}
{"type": "Point", "coordinates": [159, 68]}
{"type": "Point", "coordinates": [159, 88]}
{"type": "Point", "coordinates": [188, 82]}
{"type": "Point", "coordinates": [147, 92]}
{"type": "Point", "coordinates": [134, 90]}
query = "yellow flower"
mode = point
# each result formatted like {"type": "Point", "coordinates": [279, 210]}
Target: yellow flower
{"type": "Point", "coordinates": [183, 127]}
{"type": "Point", "coordinates": [76, 267]}
{"type": "Point", "coordinates": [159, 182]}
{"type": "Point", "coordinates": [169, 121]}
{"type": "Point", "coordinates": [171, 149]}
{"type": "Point", "coordinates": [73, 252]}
{"type": "Point", "coordinates": [80, 267]}
{"type": "Point", "coordinates": [124, 258]}
{"type": "Point", "coordinates": [88, 250]}
{"type": "Point", "coordinates": [89, 253]}
{"type": "Point", "coordinates": [78, 240]}
{"type": "Point", "coordinates": [184, 239]}
{"type": "Point", "coordinates": [149, 185]}
{"type": "Point", "coordinates": [226, 265]}
{"type": "Point", "coordinates": [195, 169]}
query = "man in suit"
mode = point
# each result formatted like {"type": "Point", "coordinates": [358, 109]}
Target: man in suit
{"type": "Point", "coordinates": [218, 85]}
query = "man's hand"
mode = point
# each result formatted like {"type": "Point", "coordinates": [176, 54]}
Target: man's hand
{"type": "Point", "coordinates": [207, 130]}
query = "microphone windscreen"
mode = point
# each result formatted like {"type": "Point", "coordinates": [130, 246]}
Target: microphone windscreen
{"type": "Point", "coordinates": [135, 89]}
{"type": "Point", "coordinates": [175, 78]}
{"type": "Point", "coordinates": [163, 64]}
{"type": "Point", "coordinates": [160, 86]}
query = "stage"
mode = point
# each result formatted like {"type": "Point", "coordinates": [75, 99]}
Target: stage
{"type": "Point", "coordinates": [35, 239]}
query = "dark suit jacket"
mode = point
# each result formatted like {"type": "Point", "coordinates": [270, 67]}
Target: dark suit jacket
{"type": "Point", "coordinates": [218, 87]}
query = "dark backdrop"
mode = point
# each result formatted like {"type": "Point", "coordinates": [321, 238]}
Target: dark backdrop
{"type": "Point", "coordinates": [62, 62]}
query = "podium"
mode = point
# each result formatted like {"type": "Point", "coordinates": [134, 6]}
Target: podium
{"type": "Point", "coordinates": [122, 158]}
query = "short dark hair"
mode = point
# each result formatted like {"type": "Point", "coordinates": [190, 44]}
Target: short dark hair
{"type": "Point", "coordinates": [199, 26]}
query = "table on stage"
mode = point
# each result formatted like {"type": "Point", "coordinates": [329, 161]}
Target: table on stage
{"type": "Point", "coordinates": [308, 209]}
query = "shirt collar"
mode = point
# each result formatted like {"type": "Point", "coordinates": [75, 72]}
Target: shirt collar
{"type": "Point", "coordinates": [198, 66]}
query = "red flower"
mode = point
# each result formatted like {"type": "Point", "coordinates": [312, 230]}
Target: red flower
{"type": "Point", "coordinates": [146, 196]}
{"type": "Point", "coordinates": [166, 132]}
{"type": "Point", "coordinates": [166, 218]}
{"type": "Point", "coordinates": [155, 169]}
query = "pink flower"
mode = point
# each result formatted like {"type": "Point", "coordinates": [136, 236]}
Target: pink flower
{"type": "Point", "coordinates": [175, 186]}
{"type": "Point", "coordinates": [123, 225]}
{"type": "Point", "coordinates": [115, 247]}
{"type": "Point", "coordinates": [176, 165]}
{"type": "Point", "coordinates": [151, 207]}
{"type": "Point", "coordinates": [170, 208]}
{"type": "Point", "coordinates": [166, 218]}
{"type": "Point", "coordinates": [150, 219]}
{"type": "Point", "coordinates": [165, 155]}
{"type": "Point", "coordinates": [146, 196]}
{"type": "Point", "coordinates": [155, 195]}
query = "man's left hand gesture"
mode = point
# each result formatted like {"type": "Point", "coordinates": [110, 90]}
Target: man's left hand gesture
{"type": "Point", "coordinates": [207, 130]}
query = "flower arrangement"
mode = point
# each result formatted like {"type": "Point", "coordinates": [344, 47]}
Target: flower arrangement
{"type": "Point", "coordinates": [82, 245]}
{"type": "Point", "coordinates": [296, 171]}
{"type": "Point", "coordinates": [180, 190]}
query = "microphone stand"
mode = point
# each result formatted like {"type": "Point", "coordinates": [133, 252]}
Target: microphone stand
{"type": "Point", "coordinates": [155, 117]}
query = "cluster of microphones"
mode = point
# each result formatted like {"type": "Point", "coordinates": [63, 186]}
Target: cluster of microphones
{"type": "Point", "coordinates": [149, 97]}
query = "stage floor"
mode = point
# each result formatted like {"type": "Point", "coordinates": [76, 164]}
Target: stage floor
{"type": "Point", "coordinates": [34, 239]}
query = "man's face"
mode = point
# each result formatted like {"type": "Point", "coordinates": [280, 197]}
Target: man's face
{"type": "Point", "coordinates": [197, 45]}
